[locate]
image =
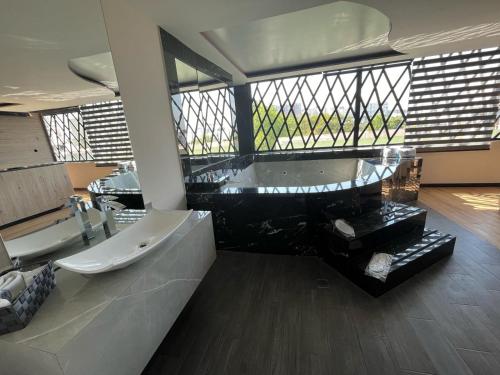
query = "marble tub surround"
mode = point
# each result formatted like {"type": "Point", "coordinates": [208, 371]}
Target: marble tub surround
{"type": "Point", "coordinates": [375, 228]}
{"type": "Point", "coordinates": [124, 186]}
{"type": "Point", "coordinates": [259, 203]}
{"type": "Point", "coordinates": [397, 230]}
{"type": "Point", "coordinates": [409, 255]}
{"type": "Point", "coordinates": [191, 164]}
{"type": "Point", "coordinates": [112, 323]}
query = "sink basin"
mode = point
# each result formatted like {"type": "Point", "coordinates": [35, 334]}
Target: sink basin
{"type": "Point", "coordinates": [128, 246]}
{"type": "Point", "coordinates": [49, 239]}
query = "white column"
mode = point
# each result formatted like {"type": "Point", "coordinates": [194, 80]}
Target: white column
{"type": "Point", "coordinates": [135, 44]}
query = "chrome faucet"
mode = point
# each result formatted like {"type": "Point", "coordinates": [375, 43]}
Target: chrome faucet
{"type": "Point", "coordinates": [107, 203]}
{"type": "Point", "coordinates": [79, 210]}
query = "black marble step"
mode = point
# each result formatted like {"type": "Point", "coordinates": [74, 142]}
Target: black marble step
{"type": "Point", "coordinates": [411, 256]}
{"type": "Point", "coordinates": [376, 228]}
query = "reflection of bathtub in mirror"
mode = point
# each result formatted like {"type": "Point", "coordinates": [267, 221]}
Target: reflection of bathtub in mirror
{"type": "Point", "coordinates": [125, 187]}
{"type": "Point", "coordinates": [50, 239]}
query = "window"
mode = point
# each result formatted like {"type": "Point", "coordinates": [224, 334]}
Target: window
{"type": "Point", "coordinates": [347, 108]}
{"type": "Point", "coordinates": [205, 121]}
{"type": "Point", "coordinates": [384, 103]}
{"type": "Point", "coordinates": [454, 100]}
{"type": "Point", "coordinates": [107, 131]}
{"type": "Point", "coordinates": [67, 135]}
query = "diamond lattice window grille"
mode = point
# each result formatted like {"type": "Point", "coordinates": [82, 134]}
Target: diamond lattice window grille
{"type": "Point", "coordinates": [365, 106]}
{"type": "Point", "coordinates": [205, 121]}
{"type": "Point", "coordinates": [67, 136]}
{"type": "Point", "coordinates": [384, 104]}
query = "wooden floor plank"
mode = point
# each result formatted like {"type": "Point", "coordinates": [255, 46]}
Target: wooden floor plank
{"type": "Point", "coordinates": [481, 363]}
{"type": "Point", "coordinates": [274, 314]}
{"type": "Point", "coordinates": [475, 208]}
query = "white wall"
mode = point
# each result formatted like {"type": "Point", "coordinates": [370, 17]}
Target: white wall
{"type": "Point", "coordinates": [138, 59]}
{"type": "Point", "coordinates": [462, 167]}
{"type": "Point", "coordinates": [23, 142]}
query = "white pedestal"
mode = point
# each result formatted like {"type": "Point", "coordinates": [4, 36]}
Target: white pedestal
{"type": "Point", "coordinates": [112, 323]}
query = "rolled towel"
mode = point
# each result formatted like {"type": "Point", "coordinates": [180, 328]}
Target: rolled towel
{"type": "Point", "coordinates": [4, 303]}
{"type": "Point", "coordinates": [379, 266]}
{"type": "Point", "coordinates": [343, 227]}
{"type": "Point", "coordinates": [11, 285]}
{"type": "Point", "coordinates": [29, 275]}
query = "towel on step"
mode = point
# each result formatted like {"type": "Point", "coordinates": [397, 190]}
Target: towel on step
{"type": "Point", "coordinates": [379, 266]}
{"type": "Point", "coordinates": [11, 285]}
{"type": "Point", "coordinates": [345, 228]}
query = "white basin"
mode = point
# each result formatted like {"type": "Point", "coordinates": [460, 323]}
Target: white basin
{"type": "Point", "coordinates": [49, 239]}
{"type": "Point", "coordinates": [128, 246]}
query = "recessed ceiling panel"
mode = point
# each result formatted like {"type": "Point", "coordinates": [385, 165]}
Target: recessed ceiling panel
{"type": "Point", "coordinates": [97, 68]}
{"type": "Point", "coordinates": [316, 35]}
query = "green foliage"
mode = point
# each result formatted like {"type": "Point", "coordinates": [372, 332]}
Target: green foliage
{"type": "Point", "coordinates": [270, 124]}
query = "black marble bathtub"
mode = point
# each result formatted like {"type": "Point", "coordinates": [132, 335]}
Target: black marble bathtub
{"type": "Point", "coordinates": [124, 186]}
{"type": "Point", "coordinates": [274, 203]}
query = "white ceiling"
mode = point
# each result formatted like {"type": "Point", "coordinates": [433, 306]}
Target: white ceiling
{"type": "Point", "coordinates": [304, 37]}
{"type": "Point", "coordinates": [37, 38]}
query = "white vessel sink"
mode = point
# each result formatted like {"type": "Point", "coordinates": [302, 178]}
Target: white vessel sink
{"type": "Point", "coordinates": [49, 239]}
{"type": "Point", "coordinates": [128, 246]}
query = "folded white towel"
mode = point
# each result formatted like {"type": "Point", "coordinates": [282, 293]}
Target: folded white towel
{"type": "Point", "coordinates": [11, 285]}
{"type": "Point", "coordinates": [379, 266]}
{"type": "Point", "coordinates": [344, 228]}
{"type": "Point", "coordinates": [4, 303]}
{"type": "Point", "coordinates": [29, 275]}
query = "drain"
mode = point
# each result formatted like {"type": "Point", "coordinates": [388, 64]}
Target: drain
{"type": "Point", "coordinates": [143, 244]}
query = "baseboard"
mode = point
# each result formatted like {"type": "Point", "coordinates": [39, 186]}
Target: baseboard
{"type": "Point", "coordinates": [463, 184]}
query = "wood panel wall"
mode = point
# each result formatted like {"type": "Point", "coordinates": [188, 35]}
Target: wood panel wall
{"type": "Point", "coordinates": [23, 142]}
{"type": "Point", "coordinates": [27, 192]}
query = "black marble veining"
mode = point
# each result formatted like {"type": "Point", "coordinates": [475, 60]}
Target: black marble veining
{"type": "Point", "coordinates": [267, 213]}
{"type": "Point", "coordinates": [412, 254]}
{"type": "Point", "coordinates": [124, 186]}
{"type": "Point", "coordinates": [374, 228]}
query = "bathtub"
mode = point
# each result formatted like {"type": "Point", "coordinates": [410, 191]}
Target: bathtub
{"type": "Point", "coordinates": [124, 186]}
{"type": "Point", "coordinates": [262, 204]}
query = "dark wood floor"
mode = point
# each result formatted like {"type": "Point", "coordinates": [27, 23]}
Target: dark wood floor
{"type": "Point", "coordinates": [271, 314]}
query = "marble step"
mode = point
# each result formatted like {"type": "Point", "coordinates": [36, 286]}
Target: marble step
{"type": "Point", "coordinates": [410, 257]}
{"type": "Point", "coordinates": [376, 228]}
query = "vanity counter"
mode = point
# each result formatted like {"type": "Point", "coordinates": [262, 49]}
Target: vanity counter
{"type": "Point", "coordinates": [112, 323]}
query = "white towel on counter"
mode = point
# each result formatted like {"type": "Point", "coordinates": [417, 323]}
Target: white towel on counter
{"type": "Point", "coordinates": [4, 303]}
{"type": "Point", "coordinates": [29, 275]}
{"type": "Point", "coordinates": [379, 266]}
{"type": "Point", "coordinates": [11, 285]}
